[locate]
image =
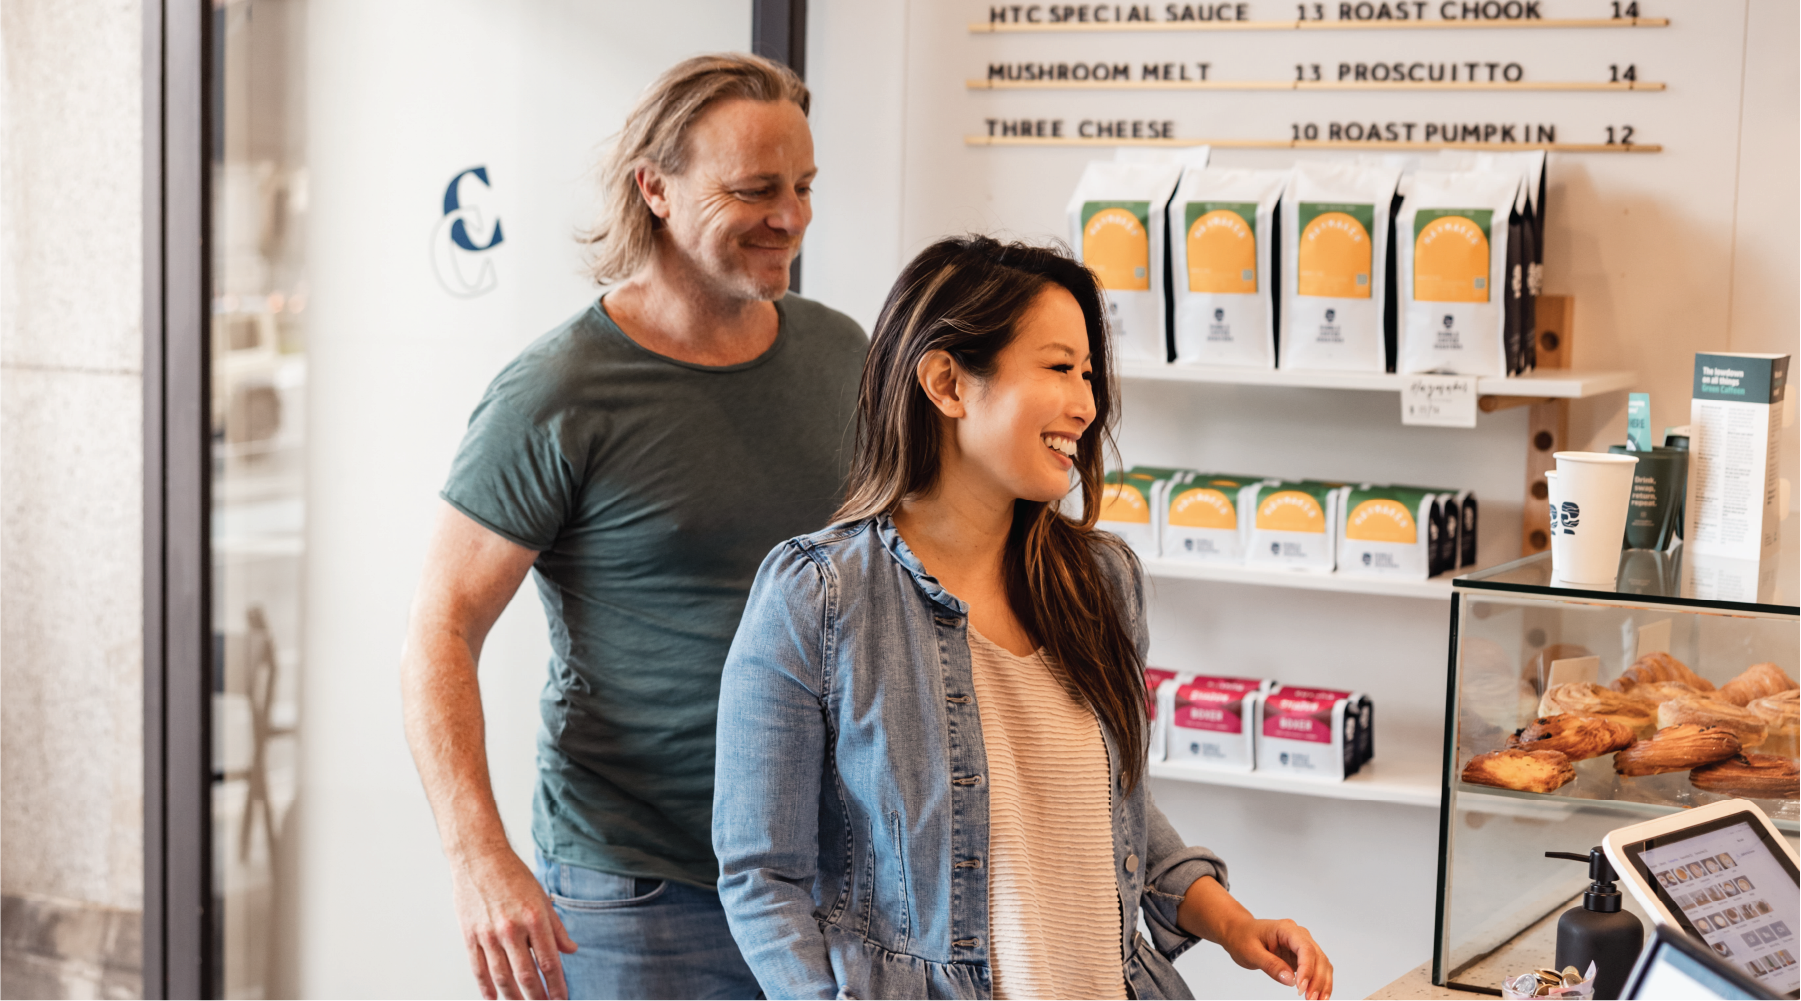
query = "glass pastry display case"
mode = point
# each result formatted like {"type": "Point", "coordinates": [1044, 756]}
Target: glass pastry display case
{"type": "Point", "coordinates": [1575, 709]}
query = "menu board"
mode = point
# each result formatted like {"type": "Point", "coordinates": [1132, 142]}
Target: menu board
{"type": "Point", "coordinates": [1415, 74]}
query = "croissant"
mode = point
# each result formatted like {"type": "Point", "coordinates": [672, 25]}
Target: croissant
{"type": "Point", "coordinates": [1755, 682]}
{"type": "Point", "coordinates": [1677, 749]}
{"type": "Point", "coordinates": [1744, 724]}
{"type": "Point", "coordinates": [1526, 771]}
{"type": "Point", "coordinates": [1780, 713]}
{"type": "Point", "coordinates": [1760, 776]}
{"type": "Point", "coordinates": [1589, 699]}
{"type": "Point", "coordinates": [1660, 667]}
{"type": "Point", "coordinates": [1657, 692]}
{"type": "Point", "coordinates": [1579, 737]}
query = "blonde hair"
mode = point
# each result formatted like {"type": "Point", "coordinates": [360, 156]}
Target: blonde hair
{"type": "Point", "coordinates": [656, 134]}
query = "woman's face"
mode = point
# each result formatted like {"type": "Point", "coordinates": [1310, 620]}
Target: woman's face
{"type": "Point", "coordinates": [1020, 426]}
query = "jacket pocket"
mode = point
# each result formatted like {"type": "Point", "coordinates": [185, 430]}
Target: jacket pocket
{"type": "Point", "coordinates": [904, 921]}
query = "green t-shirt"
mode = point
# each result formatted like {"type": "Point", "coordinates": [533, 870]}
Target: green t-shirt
{"type": "Point", "coordinates": [652, 489]}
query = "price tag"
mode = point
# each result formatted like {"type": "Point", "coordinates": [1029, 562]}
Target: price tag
{"type": "Point", "coordinates": [1445, 401]}
{"type": "Point", "coordinates": [1573, 670]}
{"type": "Point", "coordinates": [1654, 638]}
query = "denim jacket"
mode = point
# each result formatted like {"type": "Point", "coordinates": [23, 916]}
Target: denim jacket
{"type": "Point", "coordinates": [850, 814]}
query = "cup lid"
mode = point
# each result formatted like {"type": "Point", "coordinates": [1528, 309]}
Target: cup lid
{"type": "Point", "coordinates": [1600, 458]}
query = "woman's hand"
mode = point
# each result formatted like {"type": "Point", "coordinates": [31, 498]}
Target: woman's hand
{"type": "Point", "coordinates": [1282, 949]}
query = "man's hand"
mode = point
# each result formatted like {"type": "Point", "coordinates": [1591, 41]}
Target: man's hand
{"type": "Point", "coordinates": [1282, 949]}
{"type": "Point", "coordinates": [512, 932]}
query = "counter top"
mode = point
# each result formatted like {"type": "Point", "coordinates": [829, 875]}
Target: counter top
{"type": "Point", "coordinates": [1417, 983]}
{"type": "Point", "coordinates": [1531, 948]}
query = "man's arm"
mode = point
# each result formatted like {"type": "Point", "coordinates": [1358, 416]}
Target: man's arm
{"type": "Point", "coordinates": [512, 933]}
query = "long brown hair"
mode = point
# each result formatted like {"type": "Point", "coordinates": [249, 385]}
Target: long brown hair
{"type": "Point", "coordinates": [966, 296]}
{"type": "Point", "coordinates": [656, 135]}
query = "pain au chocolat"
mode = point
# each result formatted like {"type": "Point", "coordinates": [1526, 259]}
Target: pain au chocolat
{"type": "Point", "coordinates": [1706, 711]}
{"type": "Point", "coordinates": [1579, 737]}
{"type": "Point", "coordinates": [1755, 682]}
{"type": "Point", "coordinates": [1660, 667]}
{"type": "Point", "coordinates": [1677, 749]}
{"type": "Point", "coordinates": [1759, 776]}
{"type": "Point", "coordinates": [1525, 771]}
{"type": "Point", "coordinates": [1586, 698]}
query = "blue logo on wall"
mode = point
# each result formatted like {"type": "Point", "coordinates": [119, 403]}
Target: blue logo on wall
{"type": "Point", "coordinates": [463, 237]}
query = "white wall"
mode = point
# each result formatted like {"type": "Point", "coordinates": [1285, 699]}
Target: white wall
{"type": "Point", "coordinates": [403, 95]}
{"type": "Point", "coordinates": [1691, 249]}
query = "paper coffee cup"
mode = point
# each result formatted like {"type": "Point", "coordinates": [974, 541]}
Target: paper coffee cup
{"type": "Point", "coordinates": [1592, 491]}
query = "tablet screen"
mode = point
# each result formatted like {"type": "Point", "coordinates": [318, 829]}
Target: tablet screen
{"type": "Point", "coordinates": [1675, 969]}
{"type": "Point", "coordinates": [1733, 889]}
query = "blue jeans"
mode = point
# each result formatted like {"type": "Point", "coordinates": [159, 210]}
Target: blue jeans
{"type": "Point", "coordinates": [643, 938]}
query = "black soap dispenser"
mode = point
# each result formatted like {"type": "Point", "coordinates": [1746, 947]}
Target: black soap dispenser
{"type": "Point", "coordinates": [1599, 931]}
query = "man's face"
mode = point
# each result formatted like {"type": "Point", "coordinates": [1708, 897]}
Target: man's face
{"type": "Point", "coordinates": [737, 214]}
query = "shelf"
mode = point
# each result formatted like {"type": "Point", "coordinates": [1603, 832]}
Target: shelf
{"type": "Point", "coordinates": [1413, 780]}
{"type": "Point", "coordinates": [1549, 384]}
{"type": "Point", "coordinates": [1166, 569]}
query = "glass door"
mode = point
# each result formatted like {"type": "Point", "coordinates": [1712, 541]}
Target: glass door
{"type": "Point", "coordinates": [396, 193]}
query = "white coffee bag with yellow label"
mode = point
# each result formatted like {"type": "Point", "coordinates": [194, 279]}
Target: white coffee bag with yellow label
{"type": "Point", "coordinates": [1126, 510]}
{"type": "Point", "coordinates": [1117, 227]}
{"type": "Point", "coordinates": [1222, 226]}
{"type": "Point", "coordinates": [1294, 523]}
{"type": "Point", "coordinates": [1388, 532]}
{"type": "Point", "coordinates": [1205, 522]}
{"type": "Point", "coordinates": [1335, 231]}
{"type": "Point", "coordinates": [1451, 270]}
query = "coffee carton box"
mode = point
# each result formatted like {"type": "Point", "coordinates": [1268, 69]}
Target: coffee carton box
{"type": "Point", "coordinates": [1126, 509]}
{"type": "Point", "coordinates": [1132, 504]}
{"type": "Point", "coordinates": [1155, 678]}
{"type": "Point", "coordinates": [1212, 721]}
{"type": "Point", "coordinates": [1206, 522]}
{"type": "Point", "coordinates": [1315, 732]}
{"type": "Point", "coordinates": [1294, 523]}
{"type": "Point", "coordinates": [1118, 228]}
{"type": "Point", "coordinates": [1391, 532]}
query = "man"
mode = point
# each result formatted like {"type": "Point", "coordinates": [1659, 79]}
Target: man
{"type": "Point", "coordinates": [643, 458]}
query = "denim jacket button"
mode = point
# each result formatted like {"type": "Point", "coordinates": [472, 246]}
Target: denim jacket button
{"type": "Point", "coordinates": [967, 943]}
{"type": "Point", "coordinates": [1131, 863]}
{"type": "Point", "coordinates": [947, 621]}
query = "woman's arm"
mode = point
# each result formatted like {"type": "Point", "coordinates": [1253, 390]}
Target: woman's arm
{"type": "Point", "coordinates": [769, 766]}
{"type": "Point", "coordinates": [1282, 949]}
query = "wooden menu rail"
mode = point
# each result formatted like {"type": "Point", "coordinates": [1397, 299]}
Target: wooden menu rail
{"type": "Point", "coordinates": [1314, 144]}
{"type": "Point", "coordinates": [1303, 85]}
{"type": "Point", "coordinates": [997, 28]}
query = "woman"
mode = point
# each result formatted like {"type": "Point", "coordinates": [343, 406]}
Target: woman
{"type": "Point", "coordinates": [931, 726]}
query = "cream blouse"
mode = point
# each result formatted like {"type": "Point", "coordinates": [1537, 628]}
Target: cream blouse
{"type": "Point", "coordinates": [1053, 904]}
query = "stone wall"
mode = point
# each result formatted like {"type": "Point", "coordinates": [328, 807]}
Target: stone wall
{"type": "Point", "coordinates": [71, 787]}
